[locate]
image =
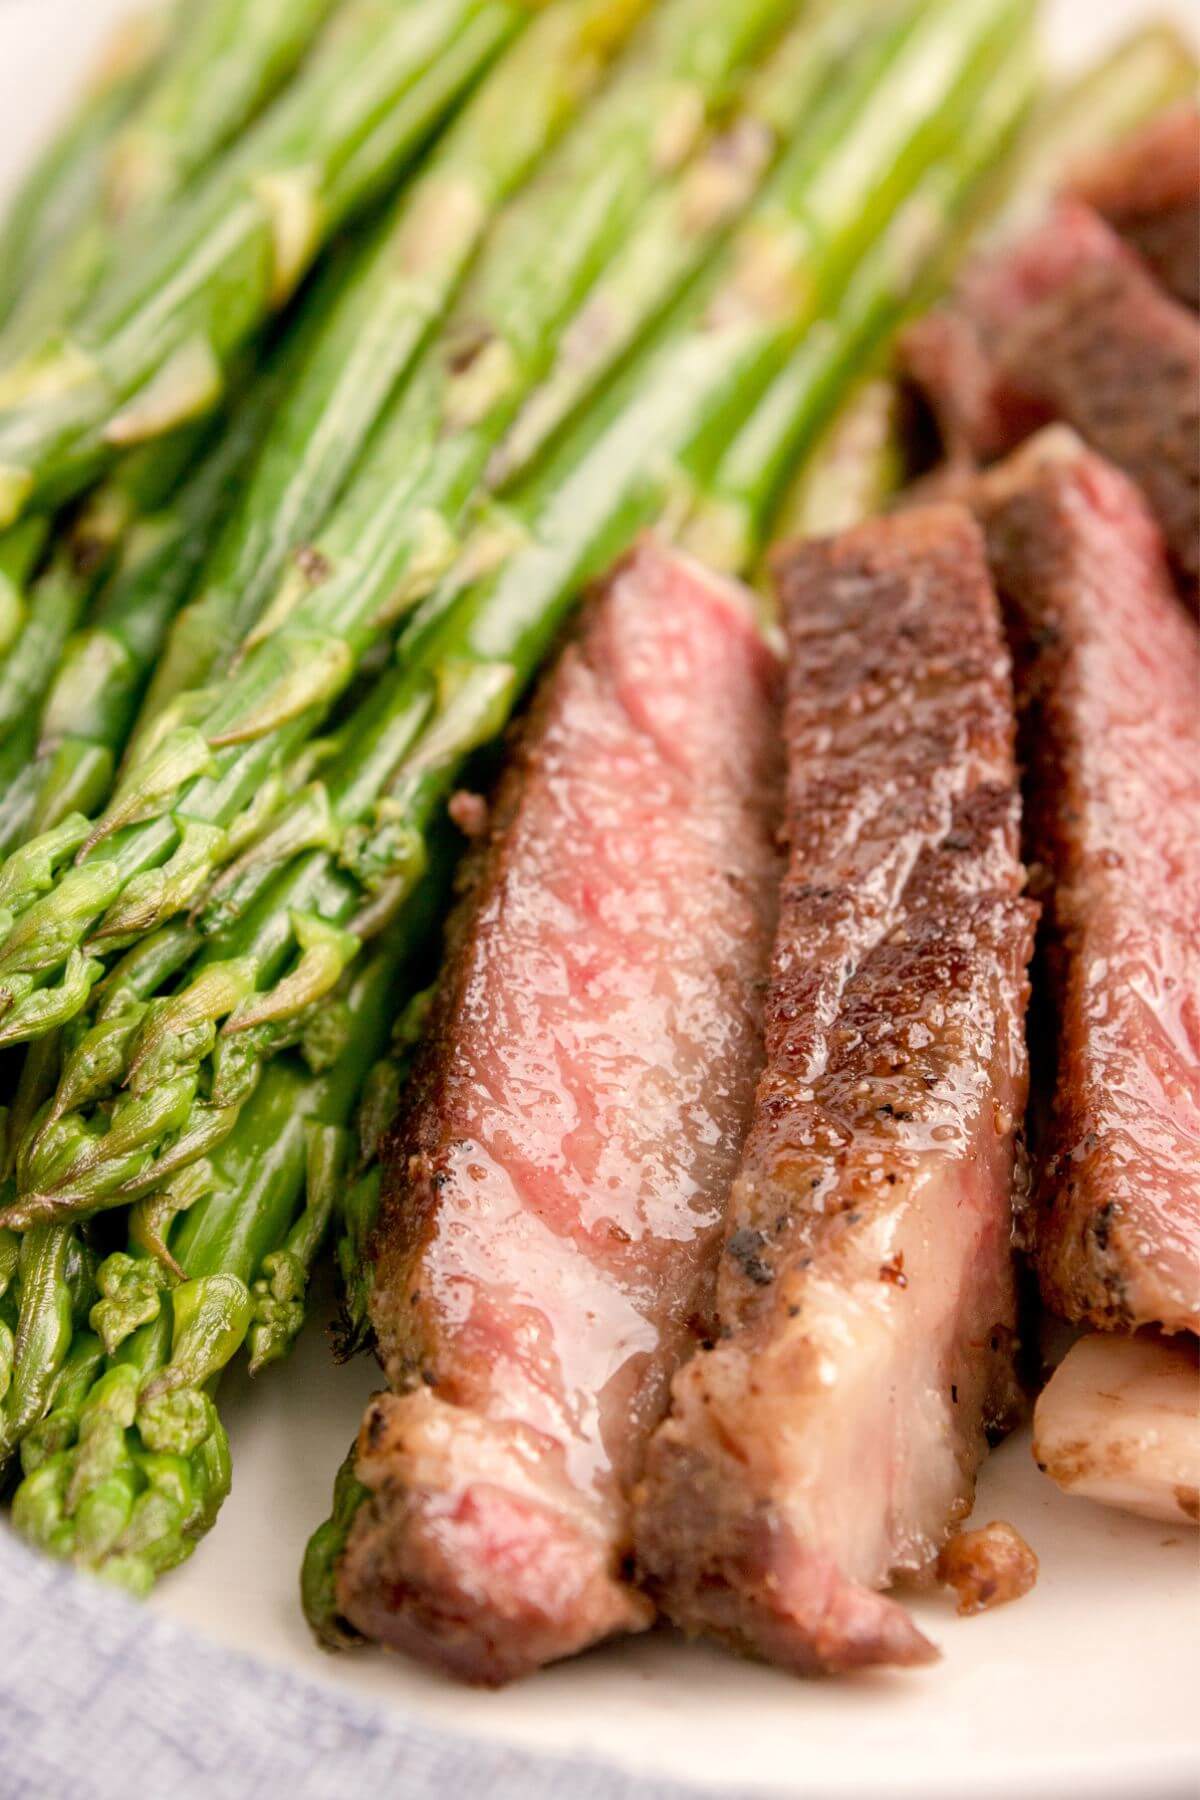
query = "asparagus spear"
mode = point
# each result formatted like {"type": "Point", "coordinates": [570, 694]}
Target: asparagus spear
{"type": "Point", "coordinates": [223, 62]}
{"type": "Point", "coordinates": [732, 517]}
{"type": "Point", "coordinates": [151, 348]}
{"type": "Point", "coordinates": [94, 695]}
{"type": "Point", "coordinates": [63, 185]}
{"type": "Point", "coordinates": [677, 230]}
{"type": "Point", "coordinates": [356, 845]}
{"type": "Point", "coordinates": [1007, 177]}
{"type": "Point", "coordinates": [20, 552]}
{"type": "Point", "coordinates": [229, 58]}
{"type": "Point", "coordinates": [87, 549]}
{"type": "Point", "coordinates": [128, 1470]}
{"type": "Point", "coordinates": [399, 519]}
{"type": "Point", "coordinates": [856, 465]}
{"type": "Point", "coordinates": [395, 288]}
{"type": "Point", "coordinates": [190, 784]}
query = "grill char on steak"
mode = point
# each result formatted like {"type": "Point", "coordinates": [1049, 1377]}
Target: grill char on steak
{"type": "Point", "coordinates": [1068, 324]}
{"type": "Point", "coordinates": [1148, 188]}
{"type": "Point", "coordinates": [548, 1240]}
{"type": "Point", "coordinates": [828, 1442]}
{"type": "Point", "coordinates": [1108, 689]}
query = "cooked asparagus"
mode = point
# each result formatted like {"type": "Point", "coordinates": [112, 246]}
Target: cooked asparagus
{"type": "Point", "coordinates": [223, 61]}
{"type": "Point", "coordinates": [193, 782]}
{"type": "Point", "coordinates": [382, 307]}
{"type": "Point", "coordinates": [151, 348]}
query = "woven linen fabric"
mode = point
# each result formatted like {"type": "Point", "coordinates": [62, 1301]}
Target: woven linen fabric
{"type": "Point", "coordinates": [101, 1699]}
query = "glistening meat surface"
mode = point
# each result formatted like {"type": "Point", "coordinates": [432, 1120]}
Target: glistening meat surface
{"type": "Point", "coordinates": [829, 1441]}
{"type": "Point", "coordinates": [547, 1246]}
{"type": "Point", "coordinates": [1068, 324]}
{"type": "Point", "coordinates": [1108, 687]}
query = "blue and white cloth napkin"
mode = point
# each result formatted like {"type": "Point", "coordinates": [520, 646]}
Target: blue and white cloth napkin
{"type": "Point", "coordinates": [100, 1699]}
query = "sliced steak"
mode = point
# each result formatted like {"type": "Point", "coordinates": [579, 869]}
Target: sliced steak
{"type": "Point", "coordinates": [550, 1232]}
{"type": "Point", "coordinates": [829, 1441]}
{"type": "Point", "coordinates": [1108, 688]}
{"type": "Point", "coordinates": [1148, 188]}
{"type": "Point", "coordinates": [1068, 324]}
{"type": "Point", "coordinates": [954, 355]}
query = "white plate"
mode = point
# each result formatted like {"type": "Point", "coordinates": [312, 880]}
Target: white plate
{"type": "Point", "coordinates": [1087, 1689]}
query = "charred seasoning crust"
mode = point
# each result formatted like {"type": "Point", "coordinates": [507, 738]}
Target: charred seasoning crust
{"type": "Point", "coordinates": [1046, 513]}
{"type": "Point", "coordinates": [897, 995]}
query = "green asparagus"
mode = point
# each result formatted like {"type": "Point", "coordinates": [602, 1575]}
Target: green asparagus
{"type": "Point", "coordinates": [396, 287]}
{"type": "Point", "coordinates": [20, 552]}
{"type": "Point", "coordinates": [85, 552]}
{"type": "Point", "coordinates": [128, 1465]}
{"type": "Point", "coordinates": [63, 187]}
{"type": "Point", "coordinates": [674, 234]}
{"type": "Point", "coordinates": [93, 698]}
{"type": "Point", "coordinates": [893, 278]}
{"type": "Point", "coordinates": [151, 348]}
{"type": "Point", "coordinates": [854, 468]}
{"type": "Point", "coordinates": [199, 781]}
{"type": "Point", "coordinates": [223, 61]}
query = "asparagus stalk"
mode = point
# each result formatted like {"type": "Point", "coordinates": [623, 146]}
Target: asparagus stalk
{"type": "Point", "coordinates": [733, 515]}
{"type": "Point", "coordinates": [191, 784]}
{"type": "Point", "coordinates": [397, 286]}
{"type": "Point", "coordinates": [396, 532]}
{"type": "Point", "coordinates": [357, 842]}
{"type": "Point", "coordinates": [681, 225]}
{"type": "Point", "coordinates": [128, 1470]}
{"type": "Point", "coordinates": [855, 467]}
{"type": "Point", "coordinates": [63, 186]}
{"type": "Point", "coordinates": [152, 347]}
{"type": "Point", "coordinates": [224, 61]}
{"type": "Point", "coordinates": [20, 552]}
{"type": "Point", "coordinates": [323, 1552]}
{"type": "Point", "coordinates": [228, 60]}
{"type": "Point", "coordinates": [93, 698]}
{"type": "Point", "coordinates": [85, 553]}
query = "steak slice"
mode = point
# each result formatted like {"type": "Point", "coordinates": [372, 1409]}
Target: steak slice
{"type": "Point", "coordinates": [550, 1230]}
{"type": "Point", "coordinates": [1108, 688]}
{"type": "Point", "coordinates": [1148, 188]}
{"type": "Point", "coordinates": [866, 1311]}
{"type": "Point", "coordinates": [954, 355]}
{"type": "Point", "coordinates": [1069, 325]}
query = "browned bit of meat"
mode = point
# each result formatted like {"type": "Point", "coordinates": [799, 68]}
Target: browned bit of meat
{"type": "Point", "coordinates": [828, 1441]}
{"type": "Point", "coordinates": [1068, 324]}
{"type": "Point", "coordinates": [1108, 691]}
{"type": "Point", "coordinates": [1148, 188]}
{"type": "Point", "coordinates": [552, 1215]}
{"type": "Point", "coordinates": [470, 813]}
{"type": "Point", "coordinates": [953, 354]}
{"type": "Point", "coordinates": [988, 1567]}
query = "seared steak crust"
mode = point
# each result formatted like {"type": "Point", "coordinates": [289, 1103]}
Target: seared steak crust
{"type": "Point", "coordinates": [548, 1239]}
{"type": "Point", "coordinates": [1108, 687]}
{"type": "Point", "coordinates": [829, 1440]}
{"type": "Point", "coordinates": [1068, 324]}
{"type": "Point", "coordinates": [1114, 357]}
